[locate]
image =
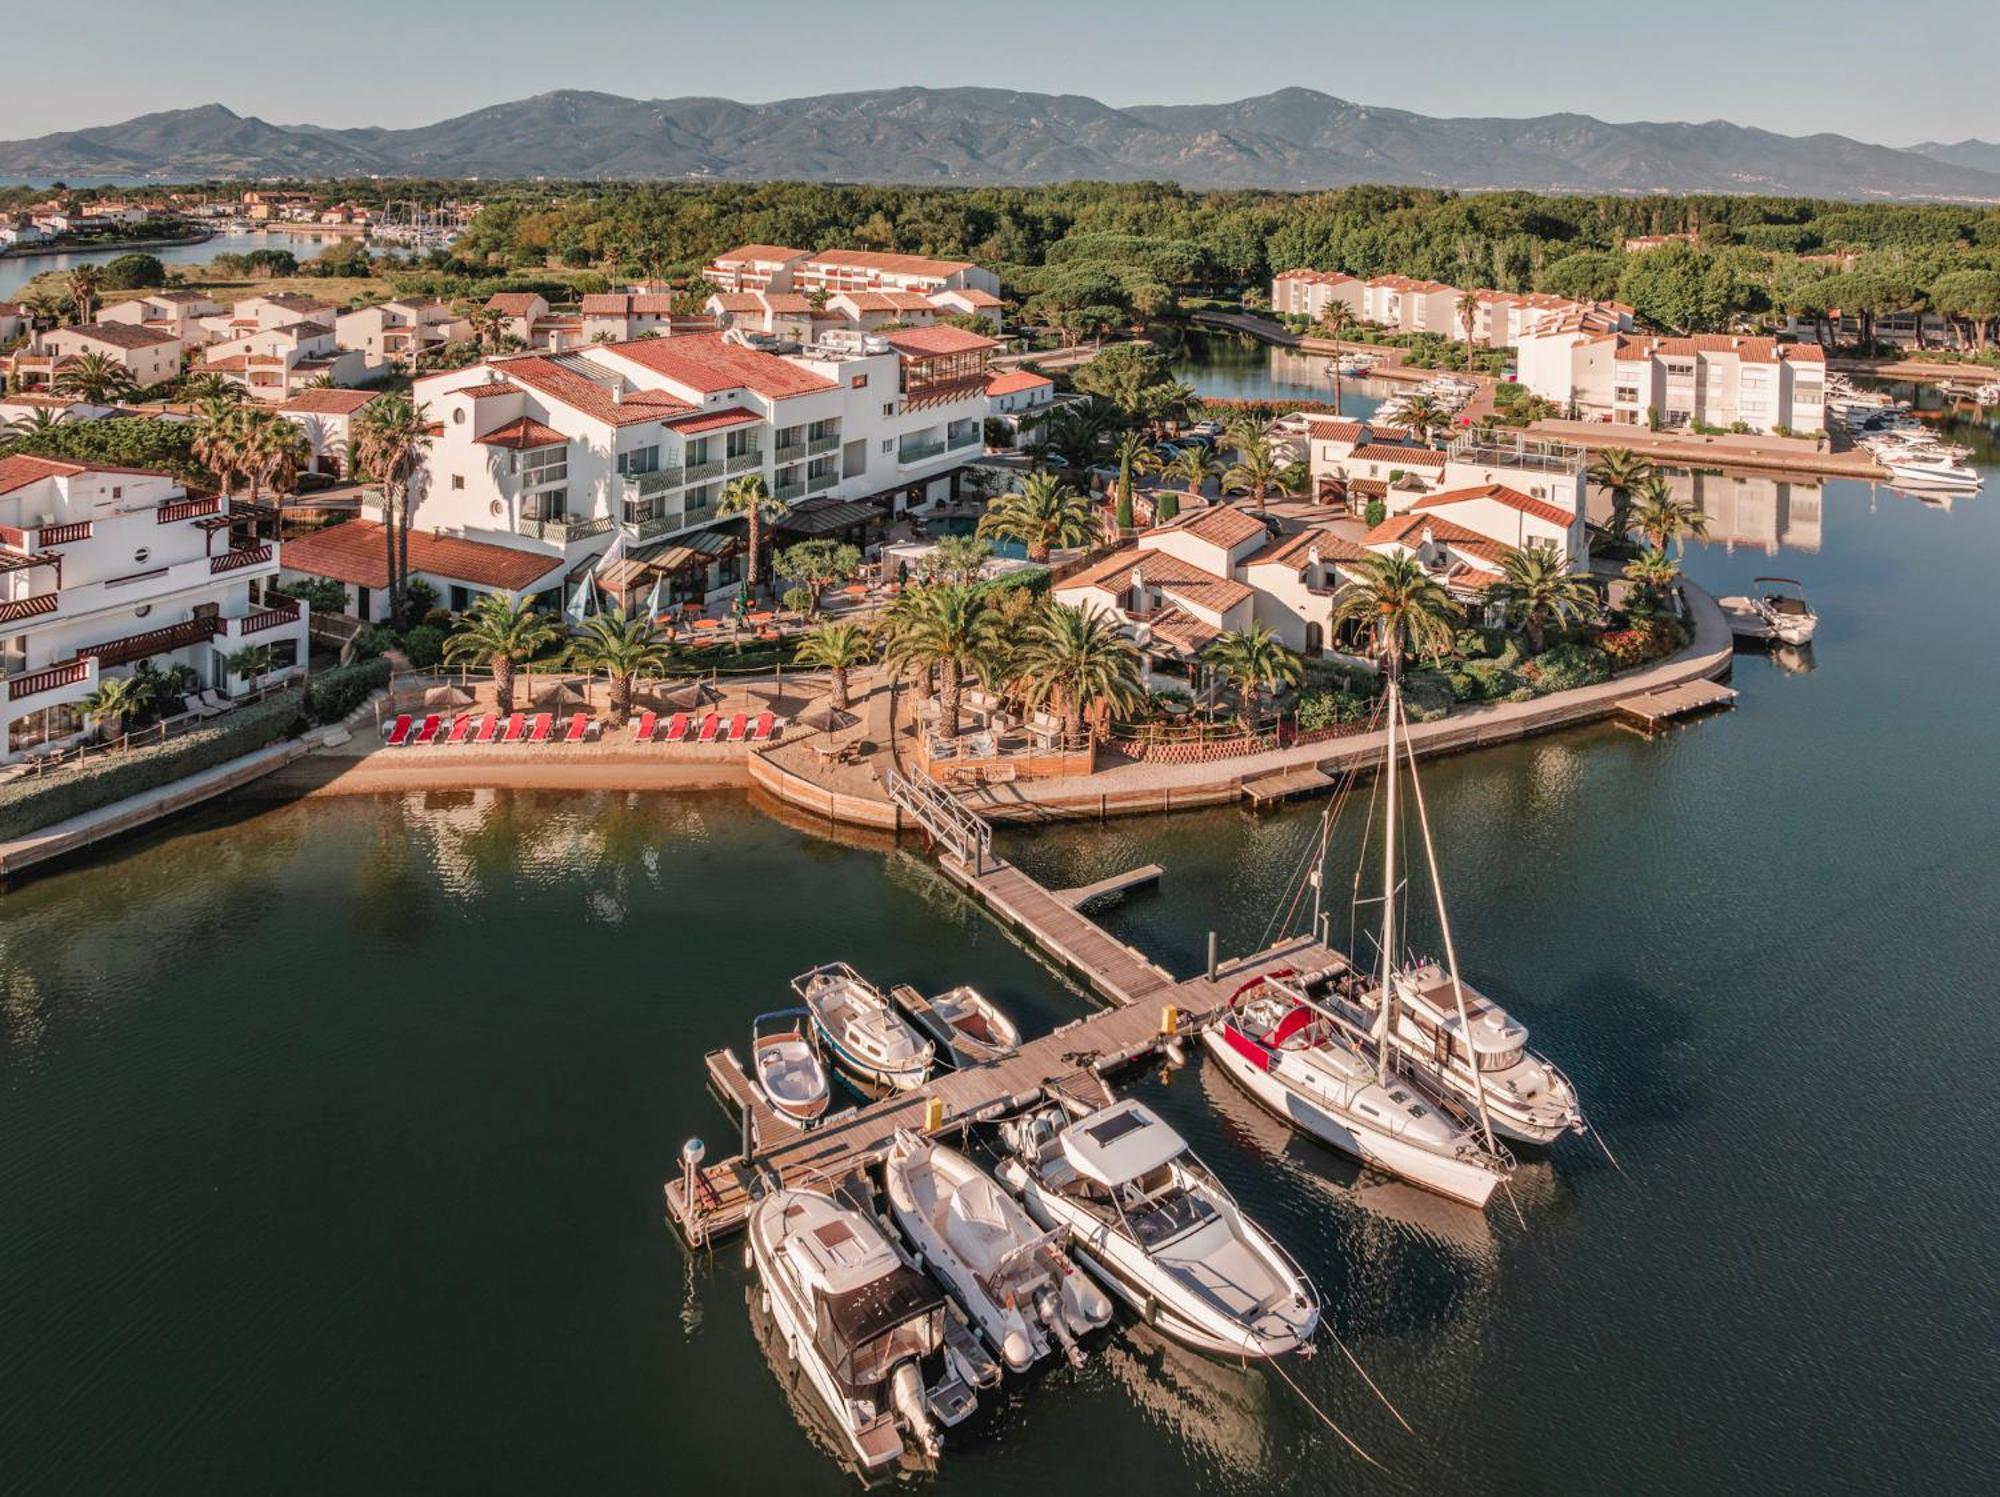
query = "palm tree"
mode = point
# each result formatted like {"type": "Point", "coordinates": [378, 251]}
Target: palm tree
{"type": "Point", "coordinates": [84, 282]}
{"type": "Point", "coordinates": [1169, 404]}
{"type": "Point", "coordinates": [944, 629]}
{"type": "Point", "coordinates": [1538, 588]}
{"type": "Point", "coordinates": [278, 452]}
{"type": "Point", "coordinates": [1192, 467]}
{"type": "Point", "coordinates": [1133, 455]}
{"type": "Point", "coordinates": [624, 648]}
{"type": "Point", "coordinates": [748, 497]}
{"type": "Point", "coordinates": [250, 662]}
{"type": "Point", "coordinates": [1076, 431]}
{"type": "Point", "coordinates": [388, 442]}
{"type": "Point", "coordinates": [1468, 319]}
{"type": "Point", "coordinates": [95, 378]}
{"type": "Point", "coordinates": [837, 649]}
{"type": "Point", "coordinates": [488, 323]}
{"type": "Point", "coordinates": [1044, 513]}
{"type": "Point", "coordinates": [1620, 470]}
{"type": "Point", "coordinates": [1336, 322]}
{"type": "Point", "coordinates": [199, 388]}
{"type": "Point", "coordinates": [44, 306]}
{"type": "Point", "coordinates": [501, 630]}
{"type": "Point", "coordinates": [1255, 661]}
{"type": "Point", "coordinates": [217, 443]}
{"type": "Point", "coordinates": [1244, 429]}
{"type": "Point", "coordinates": [1426, 418]}
{"type": "Point", "coordinates": [34, 424]}
{"type": "Point", "coordinates": [1073, 657]}
{"type": "Point", "coordinates": [1404, 609]}
{"type": "Point", "coordinates": [1664, 519]}
{"type": "Point", "coordinates": [1259, 468]}
{"type": "Point", "coordinates": [115, 699]}
{"type": "Point", "coordinates": [959, 558]}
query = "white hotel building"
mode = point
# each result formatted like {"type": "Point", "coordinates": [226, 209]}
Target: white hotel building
{"type": "Point", "coordinates": [101, 568]}
{"type": "Point", "coordinates": [554, 458]}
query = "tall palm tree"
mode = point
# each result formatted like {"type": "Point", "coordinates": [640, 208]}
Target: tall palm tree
{"type": "Point", "coordinates": [45, 306]}
{"type": "Point", "coordinates": [1664, 519]}
{"type": "Point", "coordinates": [389, 440]}
{"type": "Point", "coordinates": [501, 630]}
{"type": "Point", "coordinates": [1620, 470]}
{"type": "Point", "coordinates": [95, 378]}
{"type": "Point", "coordinates": [1256, 662]}
{"type": "Point", "coordinates": [1652, 570]}
{"type": "Point", "coordinates": [1134, 455]}
{"type": "Point", "coordinates": [1538, 588]}
{"type": "Point", "coordinates": [1259, 470]}
{"type": "Point", "coordinates": [34, 424]}
{"type": "Point", "coordinates": [1468, 319]}
{"type": "Point", "coordinates": [624, 647]}
{"type": "Point", "coordinates": [1426, 418]}
{"type": "Point", "coordinates": [197, 388]}
{"type": "Point", "coordinates": [836, 649]}
{"type": "Point", "coordinates": [945, 629]}
{"type": "Point", "coordinates": [1244, 430]}
{"type": "Point", "coordinates": [1192, 467]}
{"type": "Point", "coordinates": [278, 452]}
{"type": "Point", "coordinates": [747, 496]}
{"type": "Point", "coordinates": [1044, 513]}
{"type": "Point", "coordinates": [1336, 322]}
{"type": "Point", "coordinates": [84, 283]}
{"type": "Point", "coordinates": [1170, 404]}
{"type": "Point", "coordinates": [488, 323]}
{"type": "Point", "coordinates": [1405, 610]}
{"type": "Point", "coordinates": [1073, 657]}
{"type": "Point", "coordinates": [217, 442]}
{"type": "Point", "coordinates": [1077, 431]}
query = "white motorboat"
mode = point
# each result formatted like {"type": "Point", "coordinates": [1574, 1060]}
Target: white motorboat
{"type": "Point", "coordinates": [1783, 607]}
{"type": "Point", "coordinates": [866, 1327]}
{"type": "Point", "coordinates": [1347, 1081]}
{"type": "Point", "coordinates": [970, 1027]}
{"type": "Point", "coordinates": [859, 1028]}
{"type": "Point", "coordinates": [785, 1067]}
{"type": "Point", "coordinates": [1149, 1220]}
{"type": "Point", "coordinates": [1931, 472]}
{"type": "Point", "coordinates": [1528, 1098]}
{"type": "Point", "coordinates": [1013, 1279]}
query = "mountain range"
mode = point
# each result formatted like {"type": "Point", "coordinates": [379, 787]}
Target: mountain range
{"type": "Point", "coordinates": [1295, 138]}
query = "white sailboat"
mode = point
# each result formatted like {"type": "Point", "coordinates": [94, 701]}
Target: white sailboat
{"type": "Point", "coordinates": [1159, 1230]}
{"type": "Point", "coordinates": [866, 1036]}
{"type": "Point", "coordinates": [1352, 1086]}
{"type": "Point", "coordinates": [867, 1329]}
{"type": "Point", "coordinates": [1014, 1280]}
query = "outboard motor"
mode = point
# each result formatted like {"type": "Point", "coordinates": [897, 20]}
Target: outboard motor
{"type": "Point", "coordinates": [1049, 1306]}
{"type": "Point", "coordinates": [906, 1391]}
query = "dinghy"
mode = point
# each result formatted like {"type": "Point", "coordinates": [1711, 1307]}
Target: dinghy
{"type": "Point", "coordinates": [784, 1066]}
{"type": "Point", "coordinates": [971, 1028]}
{"type": "Point", "coordinates": [1013, 1278]}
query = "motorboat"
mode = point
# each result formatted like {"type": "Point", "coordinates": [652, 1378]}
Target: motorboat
{"type": "Point", "coordinates": [1158, 1229]}
{"type": "Point", "coordinates": [785, 1067]}
{"type": "Point", "coordinates": [861, 1030]}
{"type": "Point", "coordinates": [1528, 1098]}
{"type": "Point", "coordinates": [969, 1027]}
{"type": "Point", "coordinates": [1782, 605]}
{"type": "Point", "coordinates": [1344, 1076]}
{"type": "Point", "coordinates": [866, 1327]}
{"type": "Point", "coordinates": [1012, 1278]}
{"type": "Point", "coordinates": [1938, 472]}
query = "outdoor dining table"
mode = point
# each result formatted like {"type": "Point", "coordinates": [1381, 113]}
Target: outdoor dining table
{"type": "Point", "coordinates": [708, 623]}
{"type": "Point", "coordinates": [762, 616]}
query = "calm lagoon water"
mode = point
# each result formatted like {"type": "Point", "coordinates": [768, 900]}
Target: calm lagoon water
{"type": "Point", "coordinates": [17, 270]}
{"type": "Point", "coordinates": [331, 1134]}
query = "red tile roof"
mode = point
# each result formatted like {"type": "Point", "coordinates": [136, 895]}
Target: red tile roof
{"type": "Point", "coordinates": [1499, 493]}
{"type": "Point", "coordinates": [1423, 457]}
{"type": "Point", "coordinates": [587, 396]}
{"type": "Point", "coordinates": [1161, 569]}
{"type": "Point", "coordinates": [933, 342]}
{"type": "Point", "coordinates": [1397, 530]}
{"type": "Point", "coordinates": [352, 553]}
{"type": "Point", "coordinates": [743, 254]}
{"type": "Point", "coordinates": [1013, 381]}
{"type": "Point", "coordinates": [19, 471]}
{"type": "Point", "coordinates": [709, 364]}
{"type": "Point", "coordinates": [701, 421]}
{"type": "Point", "coordinates": [522, 433]}
{"type": "Point", "coordinates": [328, 402]}
{"type": "Point", "coordinates": [1295, 551]}
{"type": "Point", "coordinates": [973, 295]}
{"type": "Point", "coordinates": [1219, 525]}
{"type": "Point", "coordinates": [513, 303]}
{"type": "Point", "coordinates": [1333, 429]}
{"type": "Point", "coordinates": [126, 335]}
{"type": "Point", "coordinates": [912, 265]}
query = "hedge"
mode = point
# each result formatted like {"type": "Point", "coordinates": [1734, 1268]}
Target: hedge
{"type": "Point", "coordinates": [334, 693]}
{"type": "Point", "coordinates": [30, 804]}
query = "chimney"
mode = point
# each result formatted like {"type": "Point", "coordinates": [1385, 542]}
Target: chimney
{"type": "Point", "coordinates": [1138, 589]}
{"type": "Point", "coordinates": [617, 394]}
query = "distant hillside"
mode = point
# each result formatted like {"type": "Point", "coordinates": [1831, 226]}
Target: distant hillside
{"type": "Point", "coordinates": [1295, 138]}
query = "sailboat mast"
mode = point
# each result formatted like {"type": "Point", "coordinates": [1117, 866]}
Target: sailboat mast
{"type": "Point", "coordinates": [1385, 1022]}
{"type": "Point", "coordinates": [1450, 952]}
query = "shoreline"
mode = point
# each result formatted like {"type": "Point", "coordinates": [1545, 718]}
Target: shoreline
{"type": "Point", "coordinates": [35, 251]}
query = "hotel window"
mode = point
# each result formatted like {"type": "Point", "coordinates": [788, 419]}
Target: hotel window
{"type": "Point", "coordinates": [742, 442]}
{"type": "Point", "coordinates": [639, 460]}
{"type": "Point", "coordinates": [458, 480]}
{"type": "Point", "coordinates": [859, 382]}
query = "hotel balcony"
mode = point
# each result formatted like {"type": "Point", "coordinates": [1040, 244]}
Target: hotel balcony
{"type": "Point", "coordinates": [561, 532]}
{"type": "Point", "coordinates": [50, 686]}
{"type": "Point", "coordinates": [788, 452]}
{"type": "Point", "coordinates": [746, 462]}
{"type": "Point", "coordinates": [22, 599]}
{"type": "Point", "coordinates": [819, 483]}
{"type": "Point", "coordinates": [701, 472]}
{"type": "Point", "coordinates": [910, 453]}
{"type": "Point", "coordinates": [818, 446]}
{"type": "Point", "coordinates": [666, 520]}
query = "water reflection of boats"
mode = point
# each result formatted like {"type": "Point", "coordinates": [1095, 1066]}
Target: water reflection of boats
{"type": "Point", "coordinates": [1793, 660]}
{"type": "Point", "coordinates": [1221, 1408]}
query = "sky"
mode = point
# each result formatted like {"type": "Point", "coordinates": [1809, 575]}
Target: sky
{"type": "Point", "coordinates": [1796, 66]}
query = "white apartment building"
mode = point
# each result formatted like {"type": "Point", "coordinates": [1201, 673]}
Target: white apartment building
{"type": "Point", "coordinates": [101, 568]}
{"type": "Point", "coordinates": [1308, 293]}
{"type": "Point", "coordinates": [396, 334]}
{"type": "Point", "coordinates": [327, 419]}
{"type": "Point", "coordinates": [770, 267]}
{"type": "Point", "coordinates": [1402, 304]}
{"type": "Point", "coordinates": [754, 267]}
{"type": "Point", "coordinates": [554, 458]}
{"type": "Point", "coordinates": [274, 364]}
{"type": "Point", "coordinates": [151, 357]}
{"type": "Point", "coordinates": [1715, 379]}
{"type": "Point", "coordinates": [176, 313]}
{"type": "Point", "coordinates": [260, 313]}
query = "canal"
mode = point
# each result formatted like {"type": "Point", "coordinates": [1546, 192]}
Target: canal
{"type": "Point", "coordinates": [331, 1133]}
{"type": "Point", "coordinates": [17, 270]}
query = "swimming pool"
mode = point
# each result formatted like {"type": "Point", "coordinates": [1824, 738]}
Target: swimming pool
{"type": "Point", "coordinates": [966, 525]}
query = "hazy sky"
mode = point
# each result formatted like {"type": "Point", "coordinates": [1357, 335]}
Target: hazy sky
{"type": "Point", "coordinates": [1876, 72]}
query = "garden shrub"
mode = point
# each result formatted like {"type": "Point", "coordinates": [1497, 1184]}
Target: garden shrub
{"type": "Point", "coordinates": [332, 694]}
{"type": "Point", "coordinates": [1427, 696]}
{"type": "Point", "coordinates": [1325, 709]}
{"type": "Point", "coordinates": [424, 645]}
{"type": "Point", "coordinates": [1568, 666]}
{"type": "Point", "coordinates": [30, 804]}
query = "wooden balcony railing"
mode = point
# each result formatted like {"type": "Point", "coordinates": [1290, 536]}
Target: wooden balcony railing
{"type": "Point", "coordinates": [63, 535]}
{"type": "Point", "coordinates": [68, 673]}
{"type": "Point", "coordinates": [154, 641]}
{"type": "Point", "coordinates": [27, 608]}
{"type": "Point", "coordinates": [188, 509]}
{"type": "Point", "coordinates": [231, 561]}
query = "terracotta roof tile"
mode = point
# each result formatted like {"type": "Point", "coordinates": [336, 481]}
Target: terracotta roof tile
{"type": "Point", "coordinates": [352, 552]}
{"type": "Point", "coordinates": [1499, 493]}
{"type": "Point", "coordinates": [328, 402]}
{"type": "Point", "coordinates": [522, 433]}
{"type": "Point", "coordinates": [932, 342]}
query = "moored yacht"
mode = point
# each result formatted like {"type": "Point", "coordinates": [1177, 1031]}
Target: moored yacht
{"type": "Point", "coordinates": [867, 1329]}
{"type": "Point", "coordinates": [1014, 1280]}
{"type": "Point", "coordinates": [859, 1028]}
{"type": "Point", "coordinates": [1149, 1219]}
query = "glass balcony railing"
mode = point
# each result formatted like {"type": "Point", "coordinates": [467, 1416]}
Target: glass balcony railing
{"type": "Point", "coordinates": [818, 445]}
{"type": "Point", "coordinates": [561, 532]}
{"type": "Point", "coordinates": [919, 452]}
{"type": "Point", "coordinates": [701, 472]}
{"type": "Point", "coordinates": [746, 462]}
{"type": "Point", "coordinates": [963, 439]}
{"type": "Point", "coordinates": [820, 483]}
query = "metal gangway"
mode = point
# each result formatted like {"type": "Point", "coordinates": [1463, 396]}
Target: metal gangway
{"type": "Point", "coordinates": [952, 825]}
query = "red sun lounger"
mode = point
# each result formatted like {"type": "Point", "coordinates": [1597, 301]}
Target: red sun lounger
{"type": "Point", "coordinates": [539, 733]}
{"type": "Point", "coordinates": [761, 728]}
{"type": "Point", "coordinates": [738, 726]}
{"type": "Point", "coordinates": [579, 726]}
{"type": "Point", "coordinates": [517, 728]}
{"type": "Point", "coordinates": [489, 728]}
{"type": "Point", "coordinates": [428, 733]}
{"type": "Point", "coordinates": [642, 730]}
{"type": "Point", "coordinates": [461, 729]}
{"type": "Point", "coordinates": [677, 728]}
{"type": "Point", "coordinates": [708, 726]}
{"type": "Point", "coordinates": [400, 734]}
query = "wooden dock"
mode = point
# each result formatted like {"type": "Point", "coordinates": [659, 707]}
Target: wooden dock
{"type": "Point", "coordinates": [1657, 707]}
{"type": "Point", "coordinates": [1118, 883]}
{"type": "Point", "coordinates": [1268, 790]}
{"type": "Point", "coordinates": [1149, 1009]}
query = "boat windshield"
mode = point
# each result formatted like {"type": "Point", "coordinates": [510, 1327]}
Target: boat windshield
{"type": "Point", "coordinates": [1159, 1209]}
{"type": "Point", "coordinates": [873, 1360]}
